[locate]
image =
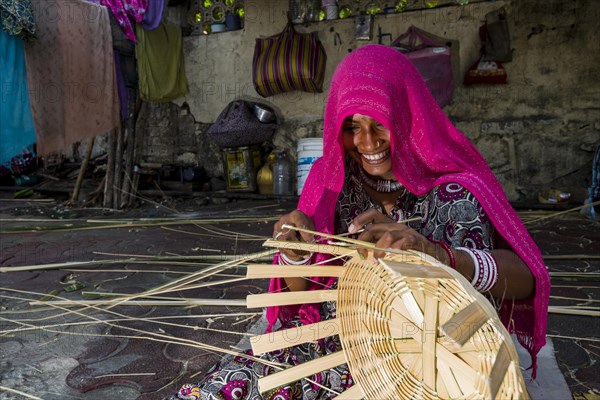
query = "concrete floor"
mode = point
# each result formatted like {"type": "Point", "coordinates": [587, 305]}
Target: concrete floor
{"type": "Point", "coordinates": [74, 356]}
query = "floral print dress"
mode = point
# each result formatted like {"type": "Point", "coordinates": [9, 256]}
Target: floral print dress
{"type": "Point", "coordinates": [449, 213]}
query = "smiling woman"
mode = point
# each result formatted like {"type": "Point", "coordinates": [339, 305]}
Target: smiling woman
{"type": "Point", "coordinates": [397, 173]}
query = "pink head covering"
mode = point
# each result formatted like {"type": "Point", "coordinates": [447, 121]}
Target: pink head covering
{"type": "Point", "coordinates": [427, 150]}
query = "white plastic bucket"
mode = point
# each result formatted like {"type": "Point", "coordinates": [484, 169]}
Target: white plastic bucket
{"type": "Point", "coordinates": [309, 150]}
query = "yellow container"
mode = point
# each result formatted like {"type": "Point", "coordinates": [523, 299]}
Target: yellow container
{"type": "Point", "coordinates": [240, 165]}
{"type": "Point", "coordinates": [264, 178]}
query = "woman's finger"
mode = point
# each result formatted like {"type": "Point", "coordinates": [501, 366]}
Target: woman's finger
{"type": "Point", "coordinates": [371, 216]}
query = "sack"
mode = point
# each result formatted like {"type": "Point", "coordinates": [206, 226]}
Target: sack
{"type": "Point", "coordinates": [496, 37]}
{"type": "Point", "coordinates": [433, 59]}
{"type": "Point", "coordinates": [288, 61]}
{"type": "Point", "coordinates": [237, 126]}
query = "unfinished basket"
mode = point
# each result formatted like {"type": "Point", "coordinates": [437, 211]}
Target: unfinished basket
{"type": "Point", "coordinates": [410, 328]}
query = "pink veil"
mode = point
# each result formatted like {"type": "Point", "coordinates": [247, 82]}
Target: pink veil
{"type": "Point", "coordinates": [428, 150]}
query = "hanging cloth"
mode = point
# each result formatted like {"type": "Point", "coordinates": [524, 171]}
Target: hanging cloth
{"type": "Point", "coordinates": [123, 10]}
{"type": "Point", "coordinates": [17, 18]}
{"type": "Point", "coordinates": [16, 130]}
{"type": "Point", "coordinates": [71, 76]}
{"type": "Point", "coordinates": [153, 14]}
{"type": "Point", "coordinates": [160, 63]}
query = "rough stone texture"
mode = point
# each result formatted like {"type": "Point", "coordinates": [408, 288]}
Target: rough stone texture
{"type": "Point", "coordinates": [538, 131]}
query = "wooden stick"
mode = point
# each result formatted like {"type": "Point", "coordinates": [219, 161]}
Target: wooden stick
{"type": "Point", "coordinates": [294, 336]}
{"type": "Point", "coordinates": [82, 170]}
{"type": "Point", "coordinates": [110, 169]}
{"type": "Point", "coordinates": [575, 338]}
{"type": "Point", "coordinates": [121, 302]}
{"type": "Point", "coordinates": [259, 271]}
{"type": "Point", "coordinates": [354, 392]}
{"type": "Point", "coordinates": [585, 300]}
{"type": "Point", "coordinates": [563, 310]}
{"type": "Point", "coordinates": [572, 257]}
{"type": "Point", "coordinates": [288, 298]}
{"type": "Point", "coordinates": [293, 374]}
{"type": "Point", "coordinates": [118, 174]}
{"type": "Point", "coordinates": [501, 365]}
{"type": "Point", "coordinates": [563, 212]}
{"type": "Point", "coordinates": [7, 389]}
{"type": "Point", "coordinates": [310, 247]}
{"type": "Point", "coordinates": [59, 265]}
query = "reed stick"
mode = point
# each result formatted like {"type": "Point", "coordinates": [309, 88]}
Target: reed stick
{"type": "Point", "coordinates": [585, 300]}
{"type": "Point", "coordinates": [60, 265]}
{"type": "Point", "coordinates": [563, 212]}
{"type": "Point", "coordinates": [29, 396]}
{"type": "Point", "coordinates": [158, 337]}
{"type": "Point", "coordinates": [572, 257]}
{"type": "Point", "coordinates": [127, 302]}
{"type": "Point", "coordinates": [575, 338]}
{"type": "Point", "coordinates": [564, 310]}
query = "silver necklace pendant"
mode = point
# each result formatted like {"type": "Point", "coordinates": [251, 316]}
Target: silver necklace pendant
{"type": "Point", "coordinates": [379, 185]}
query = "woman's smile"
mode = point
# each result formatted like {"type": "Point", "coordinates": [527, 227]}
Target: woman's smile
{"type": "Point", "coordinates": [377, 158]}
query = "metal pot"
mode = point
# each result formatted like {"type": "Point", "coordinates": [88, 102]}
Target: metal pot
{"type": "Point", "coordinates": [264, 114]}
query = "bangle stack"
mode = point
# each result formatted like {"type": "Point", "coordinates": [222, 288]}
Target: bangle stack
{"type": "Point", "coordinates": [485, 274]}
{"type": "Point", "coordinates": [285, 260]}
{"type": "Point", "coordinates": [449, 251]}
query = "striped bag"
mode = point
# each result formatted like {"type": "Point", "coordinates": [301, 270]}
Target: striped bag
{"type": "Point", "coordinates": [288, 61]}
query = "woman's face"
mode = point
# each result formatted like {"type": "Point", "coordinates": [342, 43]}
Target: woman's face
{"type": "Point", "coordinates": [368, 142]}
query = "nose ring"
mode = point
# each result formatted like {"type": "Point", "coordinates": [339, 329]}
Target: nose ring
{"type": "Point", "coordinates": [378, 143]}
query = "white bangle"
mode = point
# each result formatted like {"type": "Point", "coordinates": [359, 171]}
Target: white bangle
{"type": "Point", "coordinates": [485, 269]}
{"type": "Point", "coordinates": [285, 260]}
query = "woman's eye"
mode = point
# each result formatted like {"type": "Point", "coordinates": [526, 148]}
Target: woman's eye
{"type": "Point", "coordinates": [351, 129]}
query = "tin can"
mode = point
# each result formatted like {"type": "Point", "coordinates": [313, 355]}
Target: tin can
{"type": "Point", "coordinates": [241, 165]}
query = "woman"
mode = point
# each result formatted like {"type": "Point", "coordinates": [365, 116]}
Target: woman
{"type": "Point", "coordinates": [390, 154]}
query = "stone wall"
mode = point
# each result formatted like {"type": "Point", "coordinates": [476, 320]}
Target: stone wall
{"type": "Point", "coordinates": [538, 131]}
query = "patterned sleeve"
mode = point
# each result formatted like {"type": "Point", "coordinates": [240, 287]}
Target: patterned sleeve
{"type": "Point", "coordinates": [452, 214]}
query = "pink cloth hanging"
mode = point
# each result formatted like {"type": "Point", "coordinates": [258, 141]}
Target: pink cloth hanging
{"type": "Point", "coordinates": [427, 150]}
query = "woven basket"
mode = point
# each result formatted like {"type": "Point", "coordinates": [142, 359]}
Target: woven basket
{"type": "Point", "coordinates": [410, 328]}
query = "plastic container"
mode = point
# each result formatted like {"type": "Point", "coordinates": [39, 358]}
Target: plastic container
{"type": "Point", "coordinates": [309, 150]}
{"type": "Point", "coordinates": [241, 165]}
{"type": "Point", "coordinates": [283, 175]}
{"type": "Point", "coordinates": [264, 178]}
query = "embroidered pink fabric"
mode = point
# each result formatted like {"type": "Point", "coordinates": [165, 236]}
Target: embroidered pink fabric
{"type": "Point", "coordinates": [427, 150]}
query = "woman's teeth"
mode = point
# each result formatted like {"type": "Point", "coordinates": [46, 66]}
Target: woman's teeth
{"type": "Point", "coordinates": [376, 157]}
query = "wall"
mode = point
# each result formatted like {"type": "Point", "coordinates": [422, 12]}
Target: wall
{"type": "Point", "coordinates": [538, 131]}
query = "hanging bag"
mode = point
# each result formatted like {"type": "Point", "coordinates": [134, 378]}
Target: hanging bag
{"type": "Point", "coordinates": [433, 59]}
{"type": "Point", "coordinates": [237, 126]}
{"type": "Point", "coordinates": [288, 61]}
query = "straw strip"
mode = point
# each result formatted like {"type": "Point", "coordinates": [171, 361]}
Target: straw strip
{"type": "Point", "coordinates": [257, 271]}
{"type": "Point", "coordinates": [572, 311]}
{"type": "Point", "coordinates": [120, 302]}
{"type": "Point", "coordinates": [296, 373]}
{"type": "Point", "coordinates": [294, 336]}
{"type": "Point", "coordinates": [6, 389]}
{"type": "Point", "coordinates": [289, 298]}
{"type": "Point", "coordinates": [352, 393]}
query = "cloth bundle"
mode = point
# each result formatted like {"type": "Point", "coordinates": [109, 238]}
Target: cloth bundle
{"type": "Point", "coordinates": [237, 126]}
{"type": "Point", "coordinates": [433, 59]}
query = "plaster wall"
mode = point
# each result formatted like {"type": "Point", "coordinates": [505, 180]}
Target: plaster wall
{"type": "Point", "coordinates": [538, 131]}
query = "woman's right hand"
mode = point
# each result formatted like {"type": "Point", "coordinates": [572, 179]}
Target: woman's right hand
{"type": "Point", "coordinates": [299, 219]}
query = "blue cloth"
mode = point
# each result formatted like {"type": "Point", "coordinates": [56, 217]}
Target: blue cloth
{"type": "Point", "coordinates": [16, 127]}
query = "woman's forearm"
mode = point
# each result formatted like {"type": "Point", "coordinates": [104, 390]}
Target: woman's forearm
{"type": "Point", "coordinates": [515, 280]}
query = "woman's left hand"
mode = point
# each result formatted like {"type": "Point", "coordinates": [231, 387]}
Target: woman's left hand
{"type": "Point", "coordinates": [387, 234]}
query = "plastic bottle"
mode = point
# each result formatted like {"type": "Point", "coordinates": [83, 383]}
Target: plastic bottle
{"type": "Point", "coordinates": [264, 178]}
{"type": "Point", "coordinates": [283, 180]}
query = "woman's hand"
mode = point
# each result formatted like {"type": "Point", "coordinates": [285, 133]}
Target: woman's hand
{"type": "Point", "coordinates": [299, 219]}
{"type": "Point", "coordinates": [387, 234]}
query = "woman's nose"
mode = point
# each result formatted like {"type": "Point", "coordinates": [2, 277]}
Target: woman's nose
{"type": "Point", "coordinates": [365, 139]}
